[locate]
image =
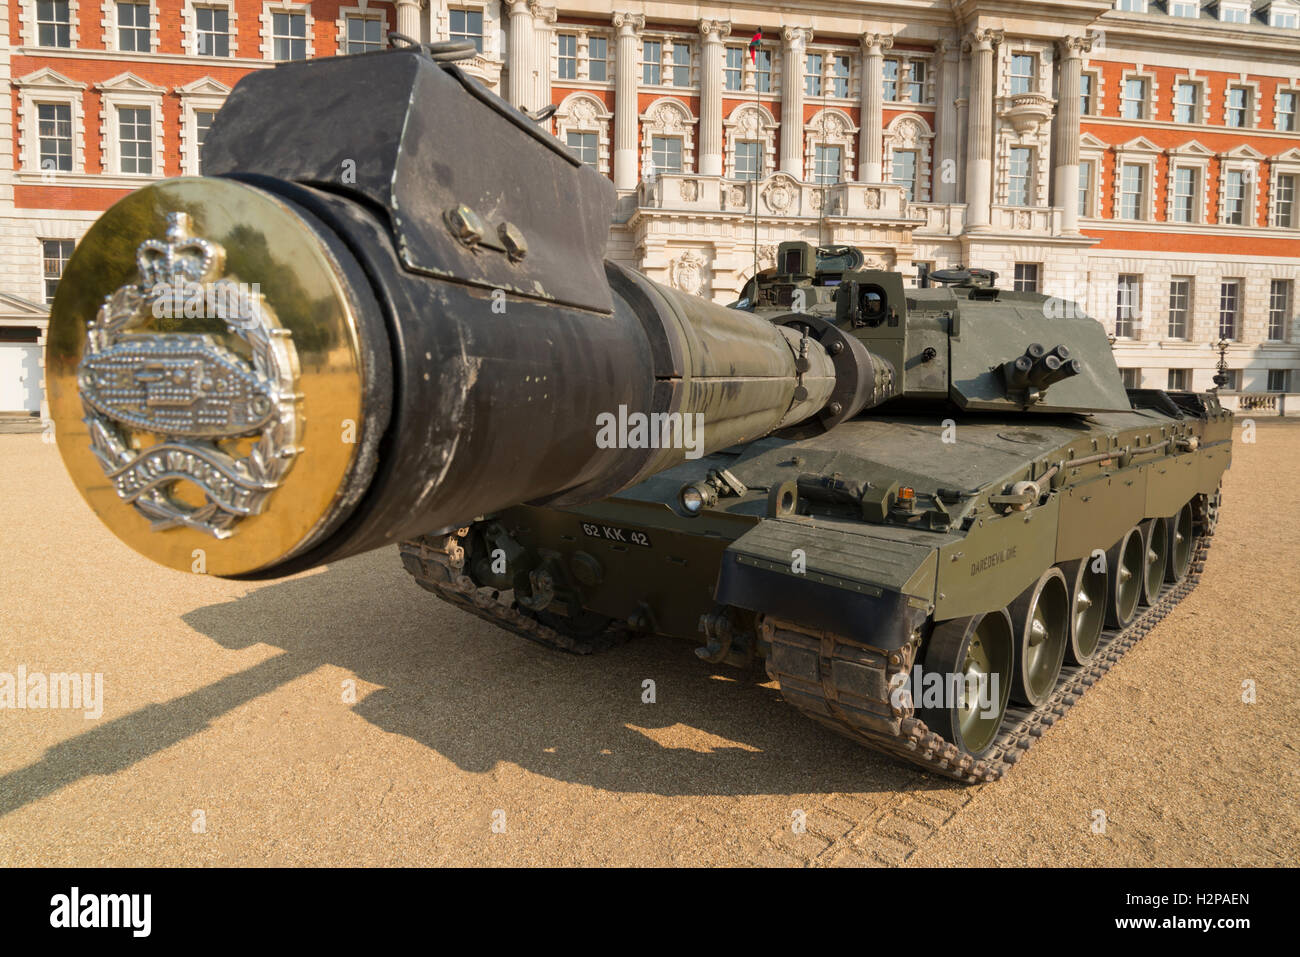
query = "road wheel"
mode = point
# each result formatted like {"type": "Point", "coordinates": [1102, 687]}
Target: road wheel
{"type": "Point", "coordinates": [1124, 588]}
{"type": "Point", "coordinates": [1155, 537]}
{"type": "Point", "coordinates": [1087, 579]}
{"type": "Point", "coordinates": [979, 652]}
{"type": "Point", "coordinates": [1181, 540]}
{"type": "Point", "coordinates": [1041, 618]}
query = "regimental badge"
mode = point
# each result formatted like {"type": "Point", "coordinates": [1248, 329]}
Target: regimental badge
{"type": "Point", "coordinates": [205, 402]}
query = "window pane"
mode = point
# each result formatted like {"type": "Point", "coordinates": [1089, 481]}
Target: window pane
{"type": "Point", "coordinates": [568, 50]}
{"type": "Point", "coordinates": [667, 154]}
{"type": "Point", "coordinates": [54, 130]}
{"type": "Point", "coordinates": [1085, 94]}
{"type": "Point", "coordinates": [827, 163]}
{"type": "Point", "coordinates": [916, 81]}
{"type": "Point", "coordinates": [1022, 73]}
{"type": "Point", "coordinates": [747, 160]}
{"type": "Point", "coordinates": [681, 64]}
{"type": "Point", "coordinates": [467, 25]}
{"type": "Point", "coordinates": [585, 146]}
{"type": "Point", "coordinates": [135, 140]}
{"type": "Point", "coordinates": [1132, 191]}
{"type": "Point", "coordinates": [891, 80]}
{"type": "Point", "coordinates": [840, 70]}
{"type": "Point", "coordinates": [1026, 277]}
{"type": "Point", "coordinates": [1279, 308]}
{"type": "Point", "coordinates": [1020, 168]}
{"type": "Point", "coordinates": [763, 70]}
{"type": "Point", "coordinates": [733, 74]}
{"type": "Point", "coordinates": [1284, 202]}
{"type": "Point", "coordinates": [202, 123]}
{"type": "Point", "coordinates": [1085, 187]}
{"type": "Point", "coordinates": [596, 58]}
{"type": "Point", "coordinates": [813, 74]}
{"type": "Point", "coordinates": [1180, 295]}
{"type": "Point", "coordinates": [1229, 308]}
{"type": "Point", "coordinates": [1186, 96]}
{"type": "Point", "coordinates": [1134, 99]}
{"type": "Point", "coordinates": [651, 62]}
{"type": "Point", "coordinates": [904, 172]}
{"type": "Point", "coordinates": [1127, 298]}
{"type": "Point", "coordinates": [54, 254]}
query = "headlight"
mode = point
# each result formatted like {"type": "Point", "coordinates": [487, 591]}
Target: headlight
{"type": "Point", "coordinates": [692, 499]}
{"type": "Point", "coordinates": [695, 497]}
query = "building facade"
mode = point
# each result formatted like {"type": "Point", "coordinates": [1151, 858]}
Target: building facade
{"type": "Point", "coordinates": [1141, 157]}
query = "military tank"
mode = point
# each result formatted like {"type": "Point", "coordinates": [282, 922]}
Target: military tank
{"type": "Point", "coordinates": [384, 317]}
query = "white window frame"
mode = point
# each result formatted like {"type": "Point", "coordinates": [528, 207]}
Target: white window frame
{"type": "Point", "coordinates": [1189, 312]}
{"type": "Point", "coordinates": [752, 123]}
{"type": "Point", "coordinates": [586, 113]}
{"type": "Point", "coordinates": [1246, 160]}
{"type": "Point", "coordinates": [366, 13]}
{"type": "Point", "coordinates": [204, 93]}
{"type": "Point", "coordinates": [1151, 105]}
{"type": "Point", "coordinates": [1194, 4]}
{"type": "Point", "coordinates": [1140, 152]}
{"type": "Point", "coordinates": [1234, 6]}
{"type": "Point", "coordinates": [1033, 71]}
{"type": "Point", "coordinates": [48, 86]}
{"type": "Point", "coordinates": [1202, 100]}
{"type": "Point", "coordinates": [1094, 100]}
{"type": "Point", "coordinates": [268, 35]}
{"type": "Point", "coordinates": [1131, 6]}
{"type": "Point", "coordinates": [1277, 104]}
{"type": "Point", "coordinates": [668, 116]}
{"type": "Point", "coordinates": [1252, 106]}
{"type": "Point", "coordinates": [112, 37]}
{"type": "Point", "coordinates": [670, 65]}
{"type": "Point", "coordinates": [830, 126]}
{"type": "Point", "coordinates": [31, 34]}
{"type": "Point", "coordinates": [910, 131]}
{"type": "Point", "coordinates": [129, 90]}
{"type": "Point", "coordinates": [1290, 10]}
{"type": "Point", "coordinates": [1135, 318]}
{"type": "Point", "coordinates": [192, 29]}
{"type": "Point", "coordinates": [1194, 156]}
{"type": "Point", "coordinates": [1094, 150]}
{"type": "Point", "coordinates": [1284, 164]}
{"type": "Point", "coordinates": [1288, 313]}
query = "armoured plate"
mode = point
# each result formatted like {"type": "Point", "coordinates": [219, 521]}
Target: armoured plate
{"type": "Point", "coordinates": [203, 370]}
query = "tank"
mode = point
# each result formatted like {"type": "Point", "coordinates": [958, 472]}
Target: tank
{"type": "Point", "coordinates": [384, 316]}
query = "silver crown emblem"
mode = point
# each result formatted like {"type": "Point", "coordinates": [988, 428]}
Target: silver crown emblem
{"type": "Point", "coordinates": [190, 389]}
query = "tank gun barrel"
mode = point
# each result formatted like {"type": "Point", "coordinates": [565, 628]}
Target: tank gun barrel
{"type": "Point", "coordinates": [382, 312]}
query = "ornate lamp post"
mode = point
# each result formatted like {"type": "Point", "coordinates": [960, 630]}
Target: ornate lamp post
{"type": "Point", "coordinates": [1221, 377]}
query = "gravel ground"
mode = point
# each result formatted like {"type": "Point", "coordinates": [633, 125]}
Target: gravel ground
{"type": "Point", "coordinates": [343, 716]}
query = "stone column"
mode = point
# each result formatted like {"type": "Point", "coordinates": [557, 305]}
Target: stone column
{"type": "Point", "coordinates": [543, 26]}
{"type": "Point", "coordinates": [871, 147]}
{"type": "Point", "coordinates": [408, 18]}
{"type": "Point", "coordinates": [792, 66]}
{"type": "Point", "coordinates": [714, 33]}
{"type": "Point", "coordinates": [944, 169]}
{"type": "Point", "coordinates": [963, 114]}
{"type": "Point", "coordinates": [522, 54]}
{"type": "Point", "coordinates": [625, 104]}
{"type": "Point", "coordinates": [979, 146]}
{"type": "Point", "coordinates": [1066, 174]}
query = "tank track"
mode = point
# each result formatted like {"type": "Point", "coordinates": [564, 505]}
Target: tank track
{"type": "Point", "coordinates": [837, 681]}
{"type": "Point", "coordinates": [438, 565]}
{"type": "Point", "coordinates": [846, 685]}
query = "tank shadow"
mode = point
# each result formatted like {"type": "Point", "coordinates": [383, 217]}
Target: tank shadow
{"type": "Point", "coordinates": [479, 695]}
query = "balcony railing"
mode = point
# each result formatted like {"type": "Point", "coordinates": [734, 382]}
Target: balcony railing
{"type": "Point", "coordinates": [778, 195]}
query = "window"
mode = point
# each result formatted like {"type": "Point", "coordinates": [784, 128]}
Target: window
{"type": "Point", "coordinates": [365, 34]}
{"type": "Point", "coordinates": [1234, 197]}
{"type": "Point", "coordinates": [1132, 191]}
{"type": "Point", "coordinates": [55, 253]}
{"type": "Point", "coordinates": [1128, 293]}
{"type": "Point", "coordinates": [840, 70]}
{"type": "Point", "coordinates": [133, 27]}
{"type": "Point", "coordinates": [568, 60]}
{"type": "Point", "coordinates": [1133, 99]}
{"type": "Point", "coordinates": [213, 27]}
{"type": "Point", "coordinates": [1180, 380]}
{"type": "Point", "coordinates": [1022, 159]}
{"type": "Point", "coordinates": [1180, 302]}
{"type": "Point", "coordinates": [584, 145]}
{"type": "Point", "coordinates": [467, 25]}
{"type": "Point", "coordinates": [812, 76]}
{"type": "Point", "coordinates": [1186, 193]}
{"type": "Point", "coordinates": [890, 68]}
{"type": "Point", "coordinates": [54, 130]}
{"type": "Point", "coordinates": [916, 81]}
{"type": "Point", "coordinates": [1026, 277]}
{"type": "Point", "coordinates": [1229, 308]}
{"type": "Point", "coordinates": [135, 139]}
{"type": "Point", "coordinates": [1085, 187]}
{"type": "Point", "coordinates": [1286, 111]}
{"type": "Point", "coordinates": [1132, 378]}
{"type": "Point", "coordinates": [747, 159]}
{"type": "Point", "coordinates": [1022, 73]}
{"type": "Point", "coordinates": [1187, 102]}
{"type": "Point", "coordinates": [733, 74]}
{"type": "Point", "coordinates": [289, 36]}
{"type": "Point", "coordinates": [1085, 94]}
{"type": "Point", "coordinates": [666, 151]}
{"type": "Point", "coordinates": [1279, 308]}
{"type": "Point", "coordinates": [1279, 380]}
{"type": "Point", "coordinates": [1131, 6]}
{"type": "Point", "coordinates": [597, 59]}
{"type": "Point", "coordinates": [681, 64]}
{"type": "Point", "coordinates": [763, 70]}
{"type": "Point", "coordinates": [1282, 18]}
{"type": "Point", "coordinates": [202, 123]}
{"type": "Point", "coordinates": [53, 23]}
{"type": "Point", "coordinates": [1284, 212]}
{"type": "Point", "coordinates": [904, 172]}
{"type": "Point", "coordinates": [1232, 14]}
{"type": "Point", "coordinates": [827, 163]}
{"type": "Point", "coordinates": [652, 58]}
{"type": "Point", "coordinates": [1184, 8]}
{"type": "Point", "coordinates": [1238, 104]}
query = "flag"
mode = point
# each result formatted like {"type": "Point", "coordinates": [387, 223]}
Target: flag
{"type": "Point", "coordinates": [753, 46]}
